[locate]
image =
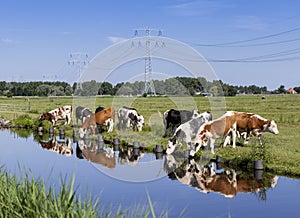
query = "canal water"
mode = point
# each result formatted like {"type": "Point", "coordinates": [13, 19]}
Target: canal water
{"type": "Point", "coordinates": [125, 177]}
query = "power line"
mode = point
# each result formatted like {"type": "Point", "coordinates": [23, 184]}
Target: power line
{"type": "Point", "coordinates": [247, 40]}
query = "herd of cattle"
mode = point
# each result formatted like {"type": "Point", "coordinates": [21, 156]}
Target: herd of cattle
{"type": "Point", "coordinates": [191, 128]}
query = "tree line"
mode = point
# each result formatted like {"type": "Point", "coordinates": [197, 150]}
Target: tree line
{"type": "Point", "coordinates": [170, 86]}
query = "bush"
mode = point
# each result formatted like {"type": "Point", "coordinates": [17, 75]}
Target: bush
{"type": "Point", "coordinates": [24, 121]}
{"type": "Point", "coordinates": [46, 124]}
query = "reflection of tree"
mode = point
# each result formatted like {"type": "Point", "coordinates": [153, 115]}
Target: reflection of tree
{"type": "Point", "coordinates": [22, 133]}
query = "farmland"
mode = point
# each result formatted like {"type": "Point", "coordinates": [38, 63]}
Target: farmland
{"type": "Point", "coordinates": [281, 153]}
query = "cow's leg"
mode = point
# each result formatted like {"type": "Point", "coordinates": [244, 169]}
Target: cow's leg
{"type": "Point", "coordinates": [233, 133]}
{"type": "Point", "coordinates": [111, 125]}
{"type": "Point", "coordinates": [259, 138]}
{"type": "Point", "coordinates": [227, 141]}
{"type": "Point", "coordinates": [211, 143]}
{"type": "Point", "coordinates": [195, 150]}
{"type": "Point", "coordinates": [166, 129]}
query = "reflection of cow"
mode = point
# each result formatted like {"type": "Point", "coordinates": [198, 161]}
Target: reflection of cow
{"type": "Point", "coordinates": [129, 117]}
{"type": "Point", "coordinates": [129, 156]}
{"type": "Point", "coordinates": [104, 117]}
{"type": "Point", "coordinates": [91, 152]}
{"type": "Point", "coordinates": [207, 179]}
{"type": "Point", "coordinates": [187, 132]}
{"type": "Point", "coordinates": [173, 118]}
{"type": "Point", "coordinates": [61, 113]}
{"type": "Point", "coordinates": [63, 147]}
{"type": "Point", "coordinates": [82, 113]}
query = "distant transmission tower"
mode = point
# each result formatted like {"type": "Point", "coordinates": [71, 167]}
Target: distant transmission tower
{"type": "Point", "coordinates": [148, 60]}
{"type": "Point", "coordinates": [79, 59]}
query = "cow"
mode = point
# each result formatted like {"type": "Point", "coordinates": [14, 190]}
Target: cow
{"type": "Point", "coordinates": [61, 113]}
{"type": "Point", "coordinates": [254, 125]}
{"type": "Point", "coordinates": [92, 153]}
{"type": "Point", "coordinates": [129, 117]}
{"type": "Point", "coordinates": [173, 118]}
{"type": "Point", "coordinates": [61, 147]}
{"type": "Point", "coordinates": [82, 113]}
{"type": "Point", "coordinates": [228, 125]}
{"type": "Point", "coordinates": [187, 131]}
{"type": "Point", "coordinates": [102, 118]}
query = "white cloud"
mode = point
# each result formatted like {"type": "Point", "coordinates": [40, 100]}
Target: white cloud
{"type": "Point", "coordinates": [250, 22]}
{"type": "Point", "coordinates": [6, 40]}
{"type": "Point", "coordinates": [114, 39]}
{"type": "Point", "coordinates": [195, 7]}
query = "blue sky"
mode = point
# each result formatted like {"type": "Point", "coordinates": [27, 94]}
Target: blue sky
{"type": "Point", "coordinates": [248, 42]}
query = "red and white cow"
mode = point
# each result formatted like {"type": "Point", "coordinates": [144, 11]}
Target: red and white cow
{"type": "Point", "coordinates": [104, 117]}
{"type": "Point", "coordinates": [61, 113]}
{"type": "Point", "coordinates": [229, 124]}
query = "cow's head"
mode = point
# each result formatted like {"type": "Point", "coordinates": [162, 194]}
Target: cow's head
{"type": "Point", "coordinates": [172, 143]}
{"type": "Point", "coordinates": [206, 116]}
{"type": "Point", "coordinates": [48, 116]}
{"type": "Point", "coordinates": [195, 114]}
{"type": "Point", "coordinates": [140, 122]}
{"type": "Point", "coordinates": [271, 127]}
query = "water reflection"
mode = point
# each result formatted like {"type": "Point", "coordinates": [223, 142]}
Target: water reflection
{"type": "Point", "coordinates": [59, 145]}
{"type": "Point", "coordinates": [205, 176]}
{"type": "Point", "coordinates": [208, 178]}
{"type": "Point", "coordinates": [96, 153]}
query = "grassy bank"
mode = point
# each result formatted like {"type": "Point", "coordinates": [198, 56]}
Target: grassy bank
{"type": "Point", "coordinates": [26, 197]}
{"type": "Point", "coordinates": [281, 153]}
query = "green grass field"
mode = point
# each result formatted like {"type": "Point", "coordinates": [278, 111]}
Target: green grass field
{"type": "Point", "coordinates": [281, 153]}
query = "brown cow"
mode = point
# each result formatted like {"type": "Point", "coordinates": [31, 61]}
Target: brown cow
{"type": "Point", "coordinates": [229, 124]}
{"type": "Point", "coordinates": [102, 118]}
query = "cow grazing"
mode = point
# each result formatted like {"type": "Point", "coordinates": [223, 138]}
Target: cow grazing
{"type": "Point", "coordinates": [102, 118]}
{"type": "Point", "coordinates": [229, 124]}
{"type": "Point", "coordinates": [61, 113]}
{"type": "Point", "coordinates": [129, 117]}
{"type": "Point", "coordinates": [173, 118]}
{"type": "Point", "coordinates": [82, 113]}
{"type": "Point", "coordinates": [254, 124]}
{"type": "Point", "coordinates": [187, 131]}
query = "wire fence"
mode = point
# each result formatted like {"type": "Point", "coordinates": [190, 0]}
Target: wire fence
{"type": "Point", "coordinates": [14, 108]}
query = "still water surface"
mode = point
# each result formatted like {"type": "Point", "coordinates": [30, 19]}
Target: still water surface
{"type": "Point", "coordinates": [191, 189]}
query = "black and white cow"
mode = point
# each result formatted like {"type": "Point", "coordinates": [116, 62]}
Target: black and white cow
{"type": "Point", "coordinates": [173, 118]}
{"type": "Point", "coordinates": [187, 131]}
{"type": "Point", "coordinates": [82, 113]}
{"type": "Point", "coordinates": [129, 117]}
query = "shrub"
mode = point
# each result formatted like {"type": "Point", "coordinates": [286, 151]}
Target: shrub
{"type": "Point", "coordinates": [24, 121]}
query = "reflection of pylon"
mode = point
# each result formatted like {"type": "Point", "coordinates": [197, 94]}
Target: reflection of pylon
{"type": "Point", "coordinates": [80, 60]}
{"type": "Point", "coordinates": [149, 85]}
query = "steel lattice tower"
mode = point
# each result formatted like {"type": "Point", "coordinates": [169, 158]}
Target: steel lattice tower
{"type": "Point", "coordinates": [149, 85]}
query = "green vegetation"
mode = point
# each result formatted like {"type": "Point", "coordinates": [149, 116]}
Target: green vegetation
{"type": "Point", "coordinates": [27, 197]}
{"type": "Point", "coordinates": [281, 153]}
{"type": "Point", "coordinates": [171, 86]}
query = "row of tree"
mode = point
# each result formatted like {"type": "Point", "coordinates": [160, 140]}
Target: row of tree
{"type": "Point", "coordinates": [171, 86]}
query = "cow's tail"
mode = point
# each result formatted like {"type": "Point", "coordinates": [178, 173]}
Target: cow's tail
{"type": "Point", "coordinates": [159, 114]}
